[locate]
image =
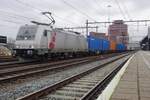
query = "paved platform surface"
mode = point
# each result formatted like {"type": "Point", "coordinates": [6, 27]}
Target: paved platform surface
{"type": "Point", "coordinates": [135, 83]}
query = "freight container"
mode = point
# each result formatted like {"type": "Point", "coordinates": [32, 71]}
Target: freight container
{"type": "Point", "coordinates": [113, 38]}
{"type": "Point", "coordinates": [120, 47]}
{"type": "Point", "coordinates": [99, 35]}
{"type": "Point", "coordinates": [112, 45]}
{"type": "Point", "coordinates": [105, 45]}
{"type": "Point", "coordinates": [94, 44]}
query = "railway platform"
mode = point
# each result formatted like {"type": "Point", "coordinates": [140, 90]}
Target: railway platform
{"type": "Point", "coordinates": [135, 82]}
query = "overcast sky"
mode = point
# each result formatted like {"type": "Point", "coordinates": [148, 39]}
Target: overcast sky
{"type": "Point", "coordinates": [69, 13]}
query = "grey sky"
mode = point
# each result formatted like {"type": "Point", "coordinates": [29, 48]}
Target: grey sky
{"type": "Point", "coordinates": [15, 13]}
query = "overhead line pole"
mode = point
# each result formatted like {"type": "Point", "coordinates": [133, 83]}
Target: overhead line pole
{"type": "Point", "coordinates": [87, 27]}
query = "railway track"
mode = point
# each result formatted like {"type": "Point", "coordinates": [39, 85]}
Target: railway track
{"type": "Point", "coordinates": [9, 73]}
{"type": "Point", "coordinates": [12, 64]}
{"type": "Point", "coordinates": [16, 64]}
{"type": "Point", "coordinates": [15, 73]}
{"type": "Point", "coordinates": [21, 64]}
{"type": "Point", "coordinates": [79, 86]}
{"type": "Point", "coordinates": [7, 59]}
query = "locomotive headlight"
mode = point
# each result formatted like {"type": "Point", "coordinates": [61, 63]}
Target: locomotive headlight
{"type": "Point", "coordinates": [29, 52]}
{"type": "Point", "coordinates": [32, 46]}
{"type": "Point", "coordinates": [17, 46]}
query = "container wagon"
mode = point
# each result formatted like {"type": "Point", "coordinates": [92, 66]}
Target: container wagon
{"type": "Point", "coordinates": [94, 45]}
{"type": "Point", "coordinates": [120, 47]}
{"type": "Point", "coordinates": [112, 47]}
{"type": "Point", "coordinates": [105, 46]}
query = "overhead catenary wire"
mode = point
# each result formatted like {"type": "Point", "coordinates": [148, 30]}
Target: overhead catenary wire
{"type": "Point", "coordinates": [120, 9]}
{"type": "Point", "coordinates": [79, 11]}
{"type": "Point", "coordinates": [15, 18]}
{"type": "Point", "coordinates": [6, 26]}
{"type": "Point", "coordinates": [26, 4]}
{"type": "Point", "coordinates": [65, 20]}
{"type": "Point", "coordinates": [94, 8]}
{"type": "Point", "coordinates": [10, 21]}
{"type": "Point", "coordinates": [6, 14]}
{"type": "Point", "coordinates": [126, 11]}
{"type": "Point", "coordinates": [14, 14]}
{"type": "Point", "coordinates": [97, 3]}
{"type": "Point", "coordinates": [98, 7]}
{"type": "Point", "coordinates": [38, 10]}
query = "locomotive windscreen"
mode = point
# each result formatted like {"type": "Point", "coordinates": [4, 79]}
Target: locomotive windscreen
{"type": "Point", "coordinates": [27, 32]}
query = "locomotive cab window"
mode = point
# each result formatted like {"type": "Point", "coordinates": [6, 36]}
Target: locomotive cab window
{"type": "Point", "coordinates": [45, 33]}
{"type": "Point", "coordinates": [27, 33]}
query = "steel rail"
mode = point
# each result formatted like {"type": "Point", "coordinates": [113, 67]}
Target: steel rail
{"type": "Point", "coordinates": [47, 90]}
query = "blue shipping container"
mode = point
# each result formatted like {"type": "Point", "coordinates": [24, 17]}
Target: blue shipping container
{"type": "Point", "coordinates": [105, 45]}
{"type": "Point", "coordinates": [120, 47]}
{"type": "Point", "coordinates": [94, 44]}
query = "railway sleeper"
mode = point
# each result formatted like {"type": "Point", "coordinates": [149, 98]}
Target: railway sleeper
{"type": "Point", "coordinates": [60, 97]}
{"type": "Point", "coordinates": [74, 89]}
{"type": "Point", "coordinates": [83, 83]}
{"type": "Point", "coordinates": [70, 93]}
{"type": "Point", "coordinates": [77, 85]}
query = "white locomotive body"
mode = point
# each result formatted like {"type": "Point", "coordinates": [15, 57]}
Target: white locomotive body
{"type": "Point", "coordinates": [39, 40]}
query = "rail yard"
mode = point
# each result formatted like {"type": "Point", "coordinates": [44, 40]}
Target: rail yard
{"type": "Point", "coordinates": [74, 50]}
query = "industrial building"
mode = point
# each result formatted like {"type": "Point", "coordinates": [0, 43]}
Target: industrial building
{"type": "Point", "coordinates": [118, 32]}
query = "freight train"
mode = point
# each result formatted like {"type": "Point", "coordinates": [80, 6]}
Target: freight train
{"type": "Point", "coordinates": [42, 41]}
